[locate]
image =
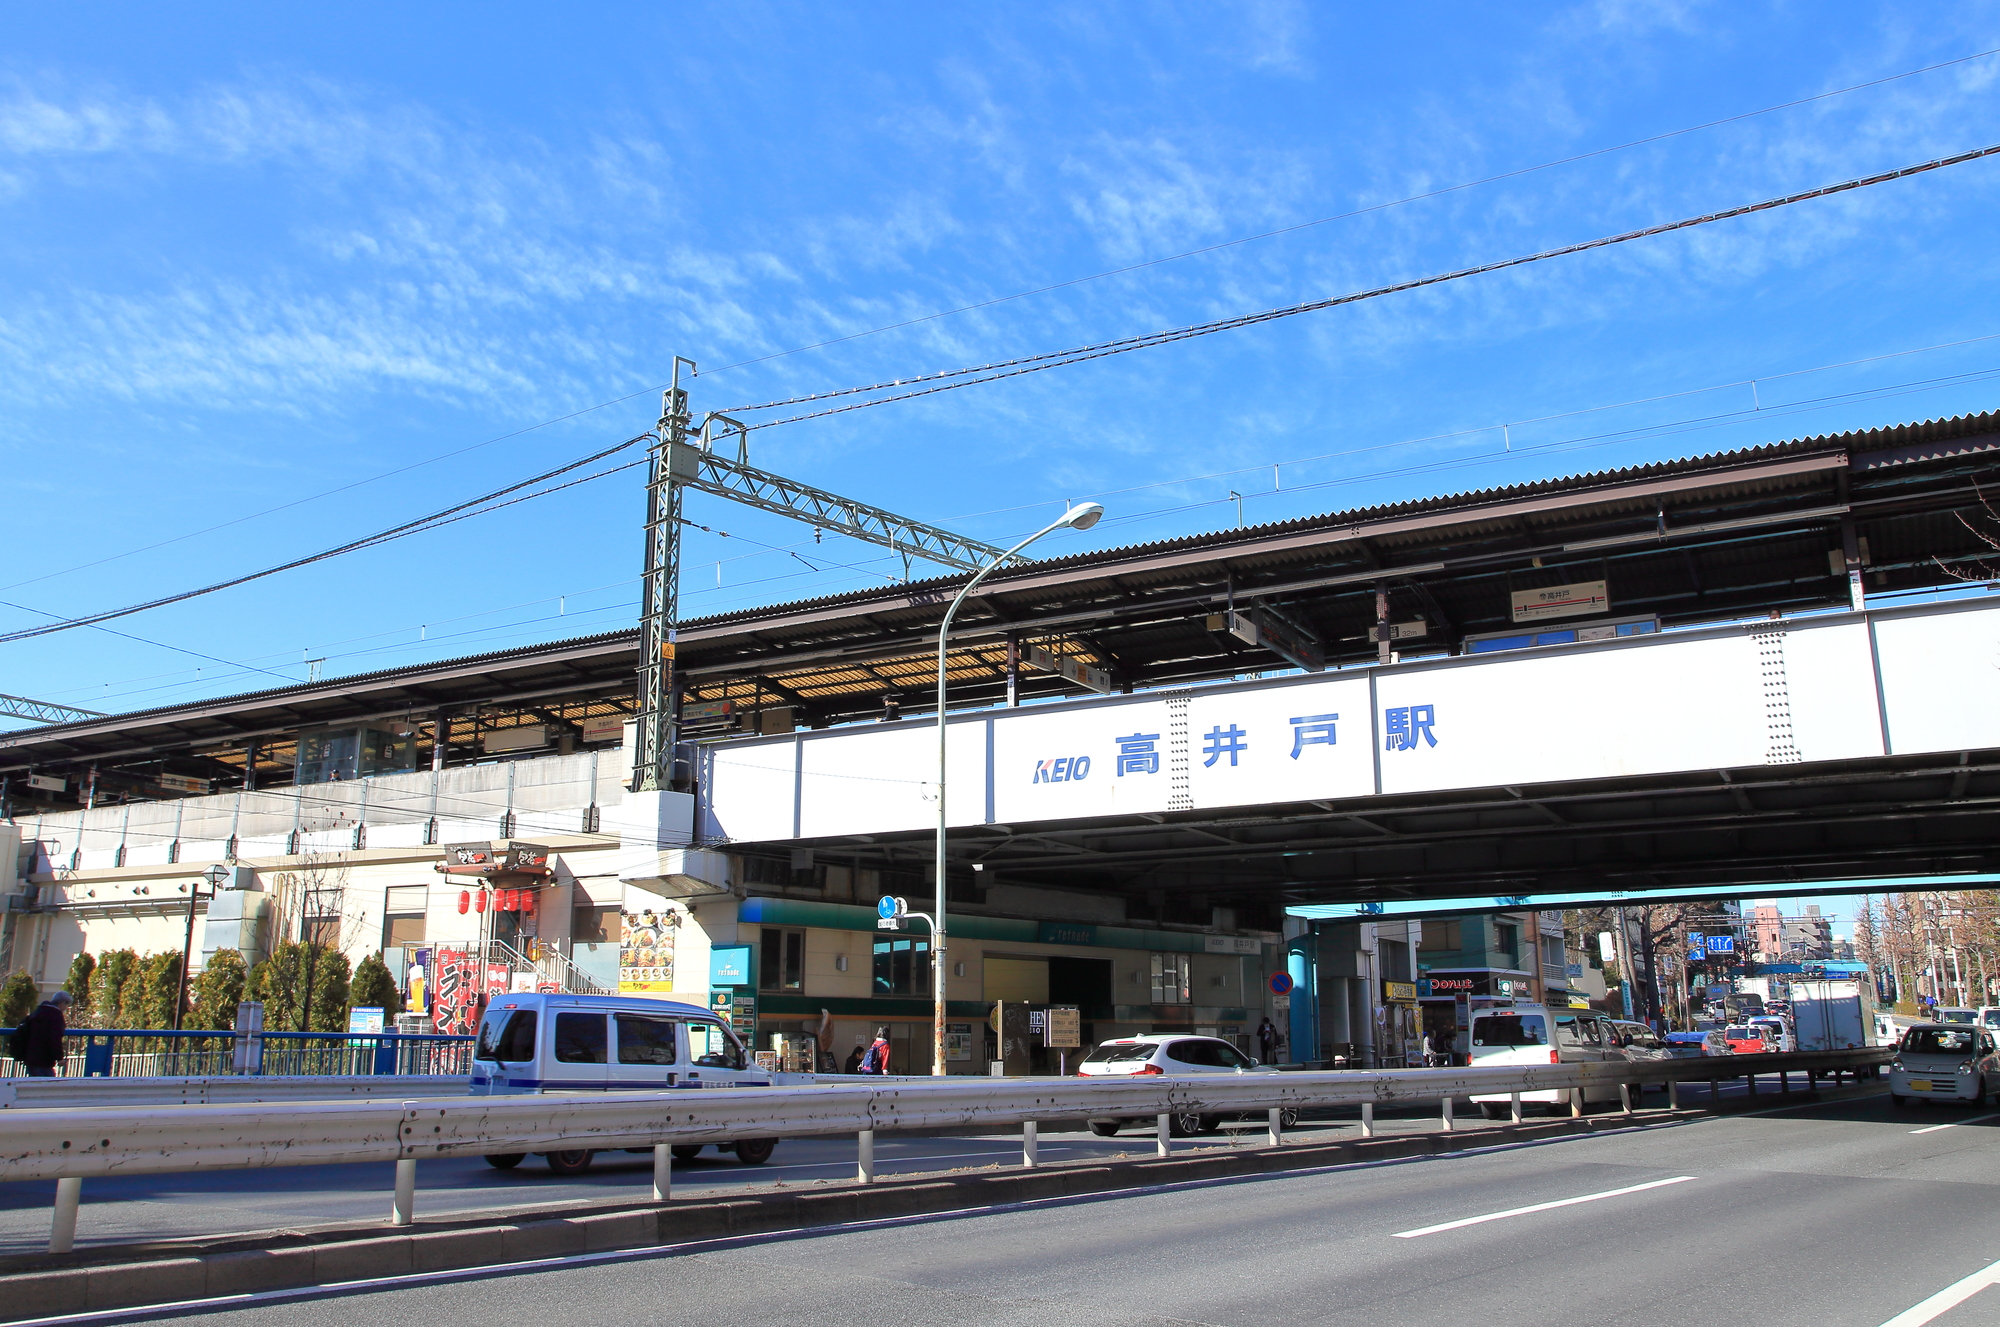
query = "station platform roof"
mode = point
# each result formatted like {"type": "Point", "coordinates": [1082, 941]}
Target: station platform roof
{"type": "Point", "coordinates": [1705, 538]}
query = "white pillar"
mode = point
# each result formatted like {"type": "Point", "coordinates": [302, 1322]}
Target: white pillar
{"type": "Point", "coordinates": [1029, 1145]}
{"type": "Point", "coordinates": [1514, 1113]}
{"type": "Point", "coordinates": [865, 1165]}
{"type": "Point", "coordinates": [404, 1210]}
{"type": "Point", "coordinates": [1673, 1094]}
{"type": "Point", "coordinates": [1576, 1103]}
{"type": "Point", "coordinates": [1367, 1119]}
{"type": "Point", "coordinates": [1275, 1130]}
{"type": "Point", "coordinates": [663, 1172]}
{"type": "Point", "coordinates": [62, 1229]}
{"type": "Point", "coordinates": [1165, 1134]}
{"type": "Point", "coordinates": [1625, 1097]}
{"type": "Point", "coordinates": [1447, 1114]}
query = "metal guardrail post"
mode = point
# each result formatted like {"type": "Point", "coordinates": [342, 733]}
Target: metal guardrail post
{"type": "Point", "coordinates": [1750, 1083]}
{"type": "Point", "coordinates": [404, 1209]}
{"type": "Point", "coordinates": [1367, 1119]}
{"type": "Point", "coordinates": [1274, 1128]}
{"type": "Point", "coordinates": [1576, 1103]}
{"type": "Point", "coordinates": [62, 1226]}
{"type": "Point", "coordinates": [865, 1165]}
{"type": "Point", "coordinates": [1029, 1145]}
{"type": "Point", "coordinates": [1673, 1094]}
{"type": "Point", "coordinates": [1514, 1107]}
{"type": "Point", "coordinates": [1164, 1135]}
{"type": "Point", "coordinates": [1625, 1097]}
{"type": "Point", "coordinates": [1447, 1114]}
{"type": "Point", "coordinates": [663, 1172]}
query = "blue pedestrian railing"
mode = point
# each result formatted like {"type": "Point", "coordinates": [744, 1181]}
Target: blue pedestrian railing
{"type": "Point", "coordinates": [136, 1053]}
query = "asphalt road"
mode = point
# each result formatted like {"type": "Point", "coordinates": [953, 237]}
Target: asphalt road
{"type": "Point", "coordinates": [1835, 1214]}
{"type": "Point", "coordinates": [118, 1210]}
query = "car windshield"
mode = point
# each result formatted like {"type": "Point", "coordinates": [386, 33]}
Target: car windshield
{"type": "Point", "coordinates": [1937, 1041]}
{"type": "Point", "coordinates": [1510, 1030]}
{"type": "Point", "coordinates": [1955, 1016]}
{"type": "Point", "coordinates": [1116, 1052]}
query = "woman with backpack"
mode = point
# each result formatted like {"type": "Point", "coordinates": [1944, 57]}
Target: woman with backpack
{"type": "Point", "coordinates": [876, 1061]}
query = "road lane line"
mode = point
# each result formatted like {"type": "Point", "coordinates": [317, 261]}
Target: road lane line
{"type": "Point", "coordinates": [1539, 1207]}
{"type": "Point", "coordinates": [1946, 1299]}
{"type": "Point", "coordinates": [1955, 1123]}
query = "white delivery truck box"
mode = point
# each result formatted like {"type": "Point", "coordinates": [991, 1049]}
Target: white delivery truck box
{"type": "Point", "coordinates": [1830, 1016]}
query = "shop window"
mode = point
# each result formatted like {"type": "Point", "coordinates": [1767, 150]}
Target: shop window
{"type": "Point", "coordinates": [1395, 956]}
{"type": "Point", "coordinates": [402, 928]}
{"type": "Point", "coordinates": [1507, 939]}
{"type": "Point", "coordinates": [902, 967]}
{"type": "Point", "coordinates": [1443, 937]}
{"type": "Point", "coordinates": [764, 871]}
{"type": "Point", "coordinates": [781, 960]}
{"type": "Point", "coordinates": [1552, 951]}
{"type": "Point", "coordinates": [1171, 978]}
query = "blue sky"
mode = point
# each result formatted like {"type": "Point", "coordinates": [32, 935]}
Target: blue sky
{"type": "Point", "coordinates": [278, 279]}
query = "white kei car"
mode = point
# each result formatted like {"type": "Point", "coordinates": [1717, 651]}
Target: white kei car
{"type": "Point", "coordinates": [1945, 1061]}
{"type": "Point", "coordinates": [1170, 1053]}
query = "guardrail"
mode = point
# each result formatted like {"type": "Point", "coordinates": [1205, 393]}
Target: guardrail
{"type": "Point", "coordinates": [93, 1093]}
{"type": "Point", "coordinates": [70, 1146]}
{"type": "Point", "coordinates": [156, 1053]}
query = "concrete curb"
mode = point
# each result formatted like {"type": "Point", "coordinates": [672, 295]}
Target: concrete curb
{"type": "Point", "coordinates": [172, 1271]}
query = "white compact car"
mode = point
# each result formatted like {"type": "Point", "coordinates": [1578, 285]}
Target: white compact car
{"type": "Point", "coordinates": [1944, 1061]}
{"type": "Point", "coordinates": [1172, 1054]}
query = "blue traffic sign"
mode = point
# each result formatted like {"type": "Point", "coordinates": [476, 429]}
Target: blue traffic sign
{"type": "Point", "coordinates": [886, 906]}
{"type": "Point", "coordinates": [1281, 983]}
{"type": "Point", "coordinates": [1721, 944]}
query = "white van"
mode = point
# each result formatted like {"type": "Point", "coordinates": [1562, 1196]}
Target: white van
{"type": "Point", "coordinates": [1536, 1034]}
{"type": "Point", "coordinates": [607, 1043]}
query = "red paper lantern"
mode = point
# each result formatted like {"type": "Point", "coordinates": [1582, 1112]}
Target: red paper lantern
{"type": "Point", "coordinates": [479, 901]}
{"type": "Point", "coordinates": [513, 900]}
{"type": "Point", "coordinates": [528, 902]}
{"type": "Point", "coordinates": [464, 900]}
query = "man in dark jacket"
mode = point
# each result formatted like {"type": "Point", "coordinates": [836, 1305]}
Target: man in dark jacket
{"type": "Point", "coordinates": [45, 1036]}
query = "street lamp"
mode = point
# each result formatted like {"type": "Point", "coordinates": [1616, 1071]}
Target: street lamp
{"type": "Point", "coordinates": [214, 875]}
{"type": "Point", "coordinates": [1076, 518]}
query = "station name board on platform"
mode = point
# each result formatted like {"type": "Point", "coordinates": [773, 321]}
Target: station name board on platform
{"type": "Point", "coordinates": [1578, 600]}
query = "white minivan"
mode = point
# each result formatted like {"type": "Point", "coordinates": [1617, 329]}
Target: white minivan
{"type": "Point", "coordinates": [534, 1042]}
{"type": "Point", "coordinates": [1536, 1034]}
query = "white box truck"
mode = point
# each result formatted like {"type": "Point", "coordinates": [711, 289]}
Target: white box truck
{"type": "Point", "coordinates": [1831, 1015]}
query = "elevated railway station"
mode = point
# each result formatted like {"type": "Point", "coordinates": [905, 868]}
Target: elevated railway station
{"type": "Point", "coordinates": [1707, 675]}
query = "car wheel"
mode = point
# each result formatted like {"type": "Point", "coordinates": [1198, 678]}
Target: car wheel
{"type": "Point", "coordinates": [569, 1163]}
{"type": "Point", "coordinates": [1105, 1128]}
{"type": "Point", "coordinates": [686, 1151]}
{"type": "Point", "coordinates": [1288, 1119]}
{"type": "Point", "coordinates": [1184, 1124]}
{"type": "Point", "coordinates": [754, 1151]}
{"type": "Point", "coordinates": [1495, 1110]}
{"type": "Point", "coordinates": [506, 1160]}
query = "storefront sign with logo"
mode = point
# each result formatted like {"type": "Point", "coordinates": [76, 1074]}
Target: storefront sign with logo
{"type": "Point", "coordinates": [1065, 933]}
{"type": "Point", "coordinates": [957, 1041]}
{"type": "Point", "coordinates": [729, 965]}
{"type": "Point", "coordinates": [646, 955]}
{"type": "Point", "coordinates": [1399, 992]}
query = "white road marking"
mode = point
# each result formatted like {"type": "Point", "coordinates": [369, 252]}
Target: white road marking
{"type": "Point", "coordinates": [1948, 1298]}
{"type": "Point", "coordinates": [1540, 1207]}
{"type": "Point", "coordinates": [1955, 1123]}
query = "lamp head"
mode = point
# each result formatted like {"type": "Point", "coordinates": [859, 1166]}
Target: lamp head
{"type": "Point", "coordinates": [1083, 517]}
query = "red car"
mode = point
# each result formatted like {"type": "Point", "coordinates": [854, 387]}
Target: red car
{"type": "Point", "coordinates": [1747, 1040]}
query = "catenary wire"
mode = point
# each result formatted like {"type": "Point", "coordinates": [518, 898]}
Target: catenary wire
{"type": "Point", "coordinates": [1322, 221]}
{"type": "Point", "coordinates": [1014, 368]}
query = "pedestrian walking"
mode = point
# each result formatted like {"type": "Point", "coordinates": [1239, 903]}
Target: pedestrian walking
{"type": "Point", "coordinates": [854, 1061]}
{"type": "Point", "coordinates": [876, 1061]}
{"type": "Point", "coordinates": [38, 1042]}
{"type": "Point", "coordinates": [1267, 1041]}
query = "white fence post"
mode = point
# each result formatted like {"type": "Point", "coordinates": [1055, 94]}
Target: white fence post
{"type": "Point", "coordinates": [1514, 1107]}
{"type": "Point", "coordinates": [865, 1166]}
{"type": "Point", "coordinates": [1576, 1103]}
{"type": "Point", "coordinates": [1030, 1145]}
{"type": "Point", "coordinates": [404, 1211]}
{"type": "Point", "coordinates": [1164, 1138]}
{"type": "Point", "coordinates": [1275, 1128]}
{"type": "Point", "coordinates": [1625, 1097]}
{"type": "Point", "coordinates": [1367, 1119]}
{"type": "Point", "coordinates": [1673, 1094]}
{"type": "Point", "coordinates": [62, 1229]}
{"type": "Point", "coordinates": [663, 1172]}
{"type": "Point", "coordinates": [1447, 1114]}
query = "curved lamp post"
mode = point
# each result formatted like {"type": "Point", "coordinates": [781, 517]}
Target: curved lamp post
{"type": "Point", "coordinates": [1076, 518]}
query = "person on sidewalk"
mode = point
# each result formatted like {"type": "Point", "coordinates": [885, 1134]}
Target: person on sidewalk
{"type": "Point", "coordinates": [876, 1061]}
{"type": "Point", "coordinates": [44, 1029]}
{"type": "Point", "coordinates": [1267, 1042]}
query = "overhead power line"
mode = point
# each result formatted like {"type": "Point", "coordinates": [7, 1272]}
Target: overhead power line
{"type": "Point", "coordinates": [1359, 211]}
{"type": "Point", "coordinates": [1013, 368]}
{"type": "Point", "coordinates": [458, 511]}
